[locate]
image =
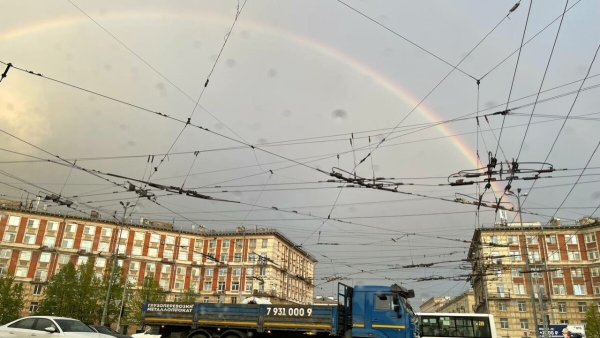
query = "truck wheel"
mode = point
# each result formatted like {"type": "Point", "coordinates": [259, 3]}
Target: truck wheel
{"type": "Point", "coordinates": [348, 334]}
{"type": "Point", "coordinates": [198, 335]}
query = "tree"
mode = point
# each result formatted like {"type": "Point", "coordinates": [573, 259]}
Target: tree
{"type": "Point", "coordinates": [189, 296]}
{"type": "Point", "coordinates": [116, 294]}
{"type": "Point", "coordinates": [59, 298]}
{"type": "Point", "coordinates": [149, 291]}
{"type": "Point", "coordinates": [592, 318]}
{"type": "Point", "coordinates": [11, 298]}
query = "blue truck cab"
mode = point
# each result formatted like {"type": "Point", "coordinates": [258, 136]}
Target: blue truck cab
{"type": "Point", "coordinates": [362, 311]}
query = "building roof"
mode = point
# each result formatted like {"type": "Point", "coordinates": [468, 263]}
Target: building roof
{"type": "Point", "coordinates": [240, 231]}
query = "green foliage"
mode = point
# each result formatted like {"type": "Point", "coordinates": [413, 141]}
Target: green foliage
{"type": "Point", "coordinates": [592, 317]}
{"type": "Point", "coordinates": [150, 291]}
{"type": "Point", "coordinates": [11, 299]}
{"type": "Point", "coordinates": [189, 296]}
{"type": "Point", "coordinates": [79, 293]}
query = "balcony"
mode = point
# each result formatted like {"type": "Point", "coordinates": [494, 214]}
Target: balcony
{"type": "Point", "coordinates": [167, 261]}
{"type": "Point", "coordinates": [264, 293]}
{"type": "Point", "coordinates": [48, 248]}
{"type": "Point", "coordinates": [499, 295]}
{"type": "Point", "coordinates": [84, 252]}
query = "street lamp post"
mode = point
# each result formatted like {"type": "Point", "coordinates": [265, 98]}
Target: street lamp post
{"type": "Point", "coordinates": [527, 267]}
{"type": "Point", "coordinates": [114, 265]}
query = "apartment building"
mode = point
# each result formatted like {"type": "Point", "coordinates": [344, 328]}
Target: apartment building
{"type": "Point", "coordinates": [564, 269]}
{"type": "Point", "coordinates": [462, 303]}
{"type": "Point", "coordinates": [225, 266]}
{"type": "Point", "coordinates": [433, 304]}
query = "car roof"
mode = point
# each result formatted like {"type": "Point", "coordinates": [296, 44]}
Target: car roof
{"type": "Point", "coordinates": [49, 317]}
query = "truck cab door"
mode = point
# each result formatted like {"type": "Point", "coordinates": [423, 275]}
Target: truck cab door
{"type": "Point", "coordinates": [385, 318]}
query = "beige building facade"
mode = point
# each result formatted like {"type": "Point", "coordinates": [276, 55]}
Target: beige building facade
{"type": "Point", "coordinates": [462, 303]}
{"type": "Point", "coordinates": [564, 269]}
{"type": "Point", "coordinates": [226, 266]}
{"type": "Point", "coordinates": [433, 304]}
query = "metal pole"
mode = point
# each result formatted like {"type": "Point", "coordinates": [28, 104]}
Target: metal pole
{"type": "Point", "coordinates": [113, 267]}
{"type": "Point", "coordinates": [527, 267]}
{"type": "Point", "coordinates": [122, 306]}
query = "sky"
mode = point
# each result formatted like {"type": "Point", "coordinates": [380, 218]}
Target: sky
{"type": "Point", "coordinates": [297, 90]}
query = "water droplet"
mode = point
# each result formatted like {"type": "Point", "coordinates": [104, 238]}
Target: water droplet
{"type": "Point", "coordinates": [376, 167]}
{"type": "Point", "coordinates": [131, 143]}
{"type": "Point", "coordinates": [596, 195]}
{"type": "Point", "coordinates": [197, 44]}
{"type": "Point", "coordinates": [388, 51]}
{"type": "Point", "coordinates": [245, 34]}
{"type": "Point", "coordinates": [230, 63]}
{"type": "Point", "coordinates": [490, 104]}
{"type": "Point", "coordinates": [213, 58]}
{"type": "Point", "coordinates": [255, 126]}
{"type": "Point", "coordinates": [286, 113]}
{"type": "Point", "coordinates": [262, 141]}
{"type": "Point", "coordinates": [353, 209]}
{"type": "Point", "coordinates": [219, 126]}
{"type": "Point", "coordinates": [272, 73]}
{"type": "Point", "coordinates": [10, 106]}
{"type": "Point", "coordinates": [123, 127]}
{"type": "Point", "coordinates": [107, 68]}
{"type": "Point", "coordinates": [339, 115]}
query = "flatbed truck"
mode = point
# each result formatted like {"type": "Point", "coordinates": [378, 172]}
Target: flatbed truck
{"type": "Point", "coordinates": [362, 311]}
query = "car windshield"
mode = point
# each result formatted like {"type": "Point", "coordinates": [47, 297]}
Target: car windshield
{"type": "Point", "coordinates": [72, 325]}
{"type": "Point", "coordinates": [104, 329]}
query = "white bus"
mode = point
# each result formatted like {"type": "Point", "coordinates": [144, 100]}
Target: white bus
{"type": "Point", "coordinates": [465, 325]}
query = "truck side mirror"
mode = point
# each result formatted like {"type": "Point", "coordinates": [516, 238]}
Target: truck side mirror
{"type": "Point", "coordinates": [410, 293]}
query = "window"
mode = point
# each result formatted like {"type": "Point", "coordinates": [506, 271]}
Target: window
{"type": "Point", "coordinates": [164, 283]}
{"type": "Point", "coordinates": [9, 237]}
{"type": "Point", "coordinates": [571, 239]}
{"type": "Point", "coordinates": [383, 302]}
{"type": "Point", "coordinates": [86, 245]}
{"type": "Point", "coordinates": [71, 228]}
{"type": "Point", "coordinates": [183, 255]}
{"type": "Point", "coordinates": [209, 272]}
{"type": "Point", "coordinates": [184, 241]}
{"type": "Point", "coordinates": [194, 286]}
{"type": "Point", "coordinates": [532, 239]}
{"type": "Point", "coordinates": [168, 254]}
{"type": "Point", "coordinates": [557, 273]}
{"type": "Point", "coordinates": [52, 226]}
{"type": "Point", "coordinates": [33, 223]}
{"type": "Point", "coordinates": [494, 239]}
{"type": "Point", "coordinates": [579, 289]}
{"type": "Point", "coordinates": [37, 289]}
{"type": "Point", "coordinates": [221, 286]}
{"type": "Point", "coordinates": [554, 256]}
{"type": "Point", "coordinates": [33, 307]}
{"type": "Point", "coordinates": [236, 272]}
{"type": "Point", "coordinates": [534, 256]}
{"type": "Point", "coordinates": [551, 239]}
{"type": "Point", "coordinates": [223, 272]}
{"type": "Point", "coordinates": [49, 241]}
{"type": "Point", "coordinates": [502, 306]}
{"type": "Point", "coordinates": [181, 270]}
{"type": "Point", "coordinates": [89, 230]}
{"type": "Point", "coordinates": [252, 243]}
{"type": "Point", "coordinates": [239, 243]}
{"type": "Point", "coordinates": [595, 271]}
{"type": "Point", "coordinates": [517, 272]}
{"type": "Point", "coordinates": [14, 220]}
{"type": "Point", "coordinates": [166, 269]}
{"type": "Point", "coordinates": [265, 243]}
{"type": "Point", "coordinates": [237, 257]}
{"type": "Point", "coordinates": [21, 272]}
{"type": "Point", "coordinates": [169, 240]}
{"type": "Point", "coordinates": [515, 256]}
{"type": "Point", "coordinates": [225, 244]}
{"type": "Point", "coordinates": [564, 321]}
{"type": "Point", "coordinates": [198, 243]}
{"type": "Point", "coordinates": [25, 256]}
{"type": "Point", "coordinates": [45, 257]}
{"type": "Point", "coordinates": [154, 238]}
{"type": "Point", "coordinates": [590, 238]}
{"type": "Point", "coordinates": [150, 267]}
{"type": "Point", "coordinates": [82, 260]}
{"type": "Point", "coordinates": [235, 286]}
{"type": "Point", "coordinates": [562, 307]}
{"type": "Point", "coordinates": [106, 232]}
{"type": "Point", "coordinates": [195, 272]}
{"type": "Point", "coordinates": [212, 244]}
{"type": "Point", "coordinates": [139, 236]}
{"type": "Point", "coordinates": [593, 254]}
{"type": "Point", "coordinates": [248, 286]}
{"type": "Point", "coordinates": [574, 255]}
{"type": "Point", "coordinates": [500, 288]}
{"type": "Point", "coordinates": [136, 251]}
{"type": "Point", "coordinates": [233, 300]}
{"type": "Point", "coordinates": [3, 270]}
{"type": "Point", "coordinates": [205, 300]}
{"type": "Point", "coordinates": [178, 284]}
{"type": "Point", "coordinates": [504, 323]}
{"type": "Point", "coordinates": [262, 271]}
{"type": "Point", "coordinates": [67, 243]}
{"type": "Point", "coordinates": [224, 258]}
{"type": "Point", "coordinates": [252, 257]}
{"type": "Point", "coordinates": [597, 289]}
{"type": "Point", "coordinates": [64, 259]}
{"type": "Point", "coordinates": [41, 275]}
{"type": "Point", "coordinates": [524, 324]}
{"type": "Point", "coordinates": [522, 306]}
{"type": "Point", "coordinates": [576, 272]}
{"type": "Point", "coordinates": [153, 252]}
{"type": "Point", "coordinates": [133, 266]}
{"type": "Point", "coordinates": [582, 306]}
{"type": "Point", "coordinates": [249, 271]}
{"type": "Point", "coordinates": [519, 289]}
{"type": "Point", "coordinates": [101, 262]}
{"type": "Point", "coordinates": [559, 289]}
{"type": "Point", "coordinates": [5, 253]}
{"type": "Point", "coordinates": [29, 239]}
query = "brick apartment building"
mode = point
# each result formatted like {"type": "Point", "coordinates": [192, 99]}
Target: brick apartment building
{"type": "Point", "coordinates": [565, 268]}
{"type": "Point", "coordinates": [259, 262]}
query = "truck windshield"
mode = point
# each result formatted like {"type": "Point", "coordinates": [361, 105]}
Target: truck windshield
{"type": "Point", "coordinates": [407, 306]}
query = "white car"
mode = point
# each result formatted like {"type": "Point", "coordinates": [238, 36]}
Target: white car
{"type": "Point", "coordinates": [145, 334]}
{"type": "Point", "coordinates": [46, 326]}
